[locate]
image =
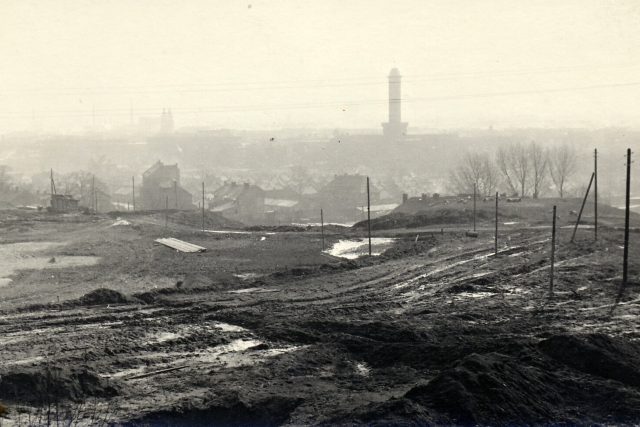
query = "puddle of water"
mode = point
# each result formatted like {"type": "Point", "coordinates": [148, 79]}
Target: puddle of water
{"type": "Point", "coordinates": [317, 224]}
{"type": "Point", "coordinates": [352, 249]}
{"type": "Point", "coordinates": [248, 276]}
{"type": "Point", "coordinates": [517, 254]}
{"type": "Point", "coordinates": [161, 337]}
{"type": "Point", "coordinates": [268, 233]}
{"type": "Point", "coordinates": [233, 355]}
{"type": "Point", "coordinates": [119, 222]}
{"type": "Point", "coordinates": [363, 369]}
{"type": "Point", "coordinates": [253, 290]}
{"type": "Point", "coordinates": [25, 361]}
{"type": "Point", "coordinates": [24, 256]}
{"type": "Point", "coordinates": [475, 295]}
{"type": "Point", "coordinates": [226, 327]}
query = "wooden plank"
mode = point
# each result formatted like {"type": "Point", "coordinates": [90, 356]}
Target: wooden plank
{"type": "Point", "coordinates": [180, 245]}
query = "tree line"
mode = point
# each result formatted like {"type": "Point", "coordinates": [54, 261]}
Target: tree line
{"type": "Point", "coordinates": [524, 169]}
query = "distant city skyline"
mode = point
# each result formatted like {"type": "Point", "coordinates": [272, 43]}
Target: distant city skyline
{"type": "Point", "coordinates": [71, 65]}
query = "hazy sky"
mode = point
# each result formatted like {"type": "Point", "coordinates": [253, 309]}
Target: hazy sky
{"type": "Point", "coordinates": [274, 64]}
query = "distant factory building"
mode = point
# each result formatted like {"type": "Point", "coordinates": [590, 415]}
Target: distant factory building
{"type": "Point", "coordinates": [241, 202]}
{"type": "Point", "coordinates": [395, 128]}
{"type": "Point", "coordinates": [166, 121]}
{"type": "Point", "coordinates": [161, 188]}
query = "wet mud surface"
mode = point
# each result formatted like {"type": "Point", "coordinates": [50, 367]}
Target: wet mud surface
{"type": "Point", "coordinates": [438, 331]}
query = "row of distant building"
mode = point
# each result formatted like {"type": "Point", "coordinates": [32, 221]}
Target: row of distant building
{"type": "Point", "coordinates": [344, 199]}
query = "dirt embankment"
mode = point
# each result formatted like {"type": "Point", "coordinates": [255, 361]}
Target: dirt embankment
{"type": "Point", "coordinates": [526, 211]}
{"type": "Point", "coordinates": [442, 216]}
{"type": "Point", "coordinates": [191, 218]}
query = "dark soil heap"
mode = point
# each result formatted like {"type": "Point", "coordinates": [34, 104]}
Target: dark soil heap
{"type": "Point", "coordinates": [227, 411]}
{"type": "Point", "coordinates": [105, 296]}
{"type": "Point", "coordinates": [597, 354]}
{"type": "Point", "coordinates": [491, 388]}
{"type": "Point", "coordinates": [46, 385]}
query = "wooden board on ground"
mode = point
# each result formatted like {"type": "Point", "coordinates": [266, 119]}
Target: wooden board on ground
{"type": "Point", "coordinates": [180, 245]}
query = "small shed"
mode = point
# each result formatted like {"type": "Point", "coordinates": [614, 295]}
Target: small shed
{"type": "Point", "coordinates": [63, 203]}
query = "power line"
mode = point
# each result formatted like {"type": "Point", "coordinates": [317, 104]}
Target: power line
{"type": "Point", "coordinates": [271, 107]}
{"type": "Point", "coordinates": [300, 84]}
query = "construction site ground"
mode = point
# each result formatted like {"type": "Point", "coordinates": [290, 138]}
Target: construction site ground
{"type": "Point", "coordinates": [99, 324]}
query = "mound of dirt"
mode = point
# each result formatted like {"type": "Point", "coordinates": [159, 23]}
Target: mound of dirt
{"type": "Point", "coordinates": [212, 220]}
{"type": "Point", "coordinates": [191, 218]}
{"type": "Point", "coordinates": [44, 385]}
{"type": "Point", "coordinates": [491, 389]}
{"type": "Point", "coordinates": [395, 412]}
{"type": "Point", "coordinates": [427, 218]}
{"type": "Point", "coordinates": [103, 296]}
{"type": "Point", "coordinates": [227, 411]}
{"type": "Point", "coordinates": [597, 354]}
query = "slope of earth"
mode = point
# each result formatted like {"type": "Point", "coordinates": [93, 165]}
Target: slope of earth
{"type": "Point", "coordinates": [440, 333]}
{"type": "Point", "coordinates": [47, 258]}
{"type": "Point", "coordinates": [527, 212]}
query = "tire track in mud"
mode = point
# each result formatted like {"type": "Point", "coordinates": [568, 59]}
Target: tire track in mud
{"type": "Point", "coordinates": [394, 286]}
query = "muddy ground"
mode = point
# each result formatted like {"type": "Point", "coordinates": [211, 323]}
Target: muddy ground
{"type": "Point", "coordinates": [264, 329]}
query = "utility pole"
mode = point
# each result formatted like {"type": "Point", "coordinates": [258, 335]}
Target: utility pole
{"type": "Point", "coordinates": [175, 190]}
{"type": "Point", "coordinates": [133, 191]}
{"type": "Point", "coordinates": [595, 193]}
{"type": "Point", "coordinates": [53, 186]}
{"type": "Point", "coordinates": [322, 227]}
{"type": "Point", "coordinates": [625, 261]}
{"type": "Point", "coordinates": [166, 212]}
{"type": "Point", "coordinates": [496, 233]}
{"type": "Point", "coordinates": [369, 215]}
{"type": "Point", "coordinates": [625, 256]}
{"type": "Point", "coordinates": [93, 192]}
{"type": "Point", "coordinates": [474, 206]}
{"type": "Point", "coordinates": [553, 252]}
{"type": "Point", "coordinates": [586, 194]}
{"type": "Point", "coordinates": [203, 206]}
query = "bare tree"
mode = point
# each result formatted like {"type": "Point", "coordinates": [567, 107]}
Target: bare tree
{"type": "Point", "coordinates": [562, 165]}
{"type": "Point", "coordinates": [539, 159]}
{"type": "Point", "coordinates": [513, 162]}
{"type": "Point", "coordinates": [475, 169]}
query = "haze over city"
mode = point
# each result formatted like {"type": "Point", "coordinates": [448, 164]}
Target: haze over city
{"type": "Point", "coordinates": [68, 65]}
